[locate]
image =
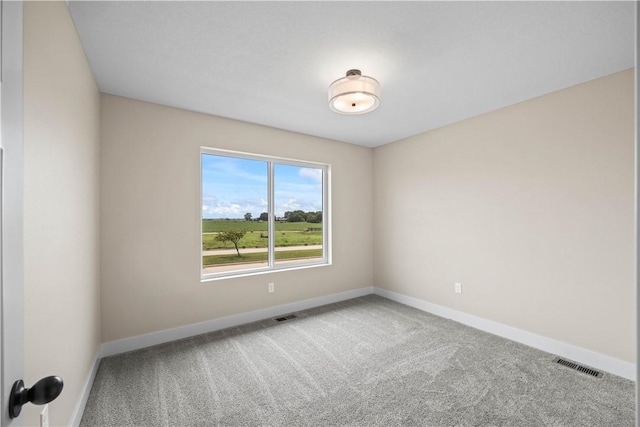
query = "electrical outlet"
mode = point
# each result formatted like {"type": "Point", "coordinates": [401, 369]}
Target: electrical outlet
{"type": "Point", "coordinates": [272, 287]}
{"type": "Point", "coordinates": [458, 288]}
{"type": "Point", "coordinates": [44, 416]}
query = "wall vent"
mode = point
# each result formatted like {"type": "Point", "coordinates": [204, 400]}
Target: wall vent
{"type": "Point", "coordinates": [577, 367]}
{"type": "Point", "coordinates": [288, 317]}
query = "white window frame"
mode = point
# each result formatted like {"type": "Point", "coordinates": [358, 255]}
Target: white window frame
{"type": "Point", "coordinates": [272, 266]}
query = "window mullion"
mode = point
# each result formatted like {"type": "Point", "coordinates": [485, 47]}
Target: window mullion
{"type": "Point", "coordinates": [272, 217]}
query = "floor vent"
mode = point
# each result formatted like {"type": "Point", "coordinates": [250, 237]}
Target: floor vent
{"type": "Point", "coordinates": [577, 367]}
{"type": "Point", "coordinates": [283, 318]}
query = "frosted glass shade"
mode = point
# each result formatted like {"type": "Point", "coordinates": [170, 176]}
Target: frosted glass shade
{"type": "Point", "coordinates": [354, 94]}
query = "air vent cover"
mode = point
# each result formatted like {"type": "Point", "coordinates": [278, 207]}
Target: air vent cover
{"type": "Point", "coordinates": [577, 367]}
{"type": "Point", "coordinates": [288, 317]}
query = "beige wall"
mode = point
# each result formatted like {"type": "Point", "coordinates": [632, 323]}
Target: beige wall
{"type": "Point", "coordinates": [531, 207]}
{"type": "Point", "coordinates": [61, 207]}
{"type": "Point", "coordinates": [150, 194]}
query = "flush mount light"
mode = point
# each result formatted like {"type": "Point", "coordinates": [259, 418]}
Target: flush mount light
{"type": "Point", "coordinates": [354, 94]}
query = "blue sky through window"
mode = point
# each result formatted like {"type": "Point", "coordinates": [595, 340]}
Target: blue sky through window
{"type": "Point", "coordinates": [234, 186]}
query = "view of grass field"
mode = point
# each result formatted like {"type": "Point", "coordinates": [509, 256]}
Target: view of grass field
{"type": "Point", "coordinates": [209, 260]}
{"type": "Point", "coordinates": [239, 196]}
{"type": "Point", "coordinates": [215, 225]}
{"type": "Point", "coordinates": [287, 234]}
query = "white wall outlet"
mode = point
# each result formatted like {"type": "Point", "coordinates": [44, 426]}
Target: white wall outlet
{"type": "Point", "coordinates": [458, 288]}
{"type": "Point", "coordinates": [44, 416]}
{"type": "Point", "coordinates": [271, 287]}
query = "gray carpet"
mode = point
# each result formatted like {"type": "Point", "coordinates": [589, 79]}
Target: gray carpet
{"type": "Point", "coordinates": [363, 362]}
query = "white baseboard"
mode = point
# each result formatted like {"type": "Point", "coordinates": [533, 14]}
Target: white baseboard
{"type": "Point", "coordinates": [141, 341]}
{"type": "Point", "coordinates": [76, 416]}
{"type": "Point", "coordinates": [595, 360]}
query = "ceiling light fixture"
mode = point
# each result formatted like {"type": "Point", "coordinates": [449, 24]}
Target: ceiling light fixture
{"type": "Point", "coordinates": [354, 94]}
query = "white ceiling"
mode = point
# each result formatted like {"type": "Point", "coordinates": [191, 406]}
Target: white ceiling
{"type": "Point", "coordinates": [271, 62]}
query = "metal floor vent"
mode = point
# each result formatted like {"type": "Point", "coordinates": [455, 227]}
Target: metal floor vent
{"type": "Point", "coordinates": [577, 367]}
{"type": "Point", "coordinates": [288, 317]}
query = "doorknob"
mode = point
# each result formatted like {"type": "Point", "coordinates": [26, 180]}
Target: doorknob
{"type": "Point", "coordinates": [42, 392]}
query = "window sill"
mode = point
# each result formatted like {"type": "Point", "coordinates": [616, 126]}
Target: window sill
{"type": "Point", "coordinates": [233, 275]}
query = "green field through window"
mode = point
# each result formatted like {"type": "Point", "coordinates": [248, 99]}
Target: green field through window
{"type": "Point", "coordinates": [250, 204]}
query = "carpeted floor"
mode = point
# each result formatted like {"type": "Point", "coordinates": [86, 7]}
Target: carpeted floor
{"type": "Point", "coordinates": [363, 362]}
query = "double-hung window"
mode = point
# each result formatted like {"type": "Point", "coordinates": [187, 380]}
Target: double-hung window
{"type": "Point", "coordinates": [262, 213]}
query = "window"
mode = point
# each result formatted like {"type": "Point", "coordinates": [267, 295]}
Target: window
{"type": "Point", "coordinates": [261, 213]}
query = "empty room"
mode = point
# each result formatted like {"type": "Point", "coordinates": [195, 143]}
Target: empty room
{"type": "Point", "coordinates": [318, 213]}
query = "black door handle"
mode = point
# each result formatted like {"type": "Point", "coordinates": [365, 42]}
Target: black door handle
{"type": "Point", "coordinates": [42, 392]}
